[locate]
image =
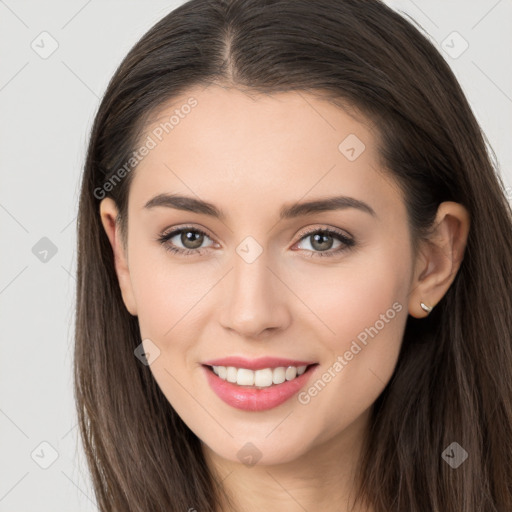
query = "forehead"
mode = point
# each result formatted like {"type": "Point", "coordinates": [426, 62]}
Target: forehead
{"type": "Point", "coordinates": [222, 143]}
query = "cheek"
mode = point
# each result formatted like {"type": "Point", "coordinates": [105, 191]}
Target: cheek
{"type": "Point", "coordinates": [358, 297]}
{"type": "Point", "coordinates": [367, 309]}
{"type": "Point", "coordinates": [167, 292]}
{"type": "Point", "coordinates": [169, 298]}
{"type": "Point", "coordinates": [362, 312]}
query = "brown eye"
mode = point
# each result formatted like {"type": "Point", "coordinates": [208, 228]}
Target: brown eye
{"type": "Point", "coordinates": [191, 240]}
{"type": "Point", "coordinates": [322, 241]}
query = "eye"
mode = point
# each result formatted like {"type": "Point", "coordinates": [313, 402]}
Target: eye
{"type": "Point", "coordinates": [191, 238]}
{"type": "Point", "coordinates": [321, 241]}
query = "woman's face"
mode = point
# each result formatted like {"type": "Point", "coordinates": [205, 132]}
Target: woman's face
{"type": "Point", "coordinates": [257, 284]}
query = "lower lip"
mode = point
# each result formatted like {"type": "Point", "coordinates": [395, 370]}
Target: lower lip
{"type": "Point", "coordinates": [256, 399]}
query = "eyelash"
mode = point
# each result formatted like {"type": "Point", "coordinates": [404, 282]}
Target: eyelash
{"type": "Point", "coordinates": [347, 242]}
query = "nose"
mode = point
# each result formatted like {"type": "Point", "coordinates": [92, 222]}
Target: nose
{"type": "Point", "coordinates": [254, 299]}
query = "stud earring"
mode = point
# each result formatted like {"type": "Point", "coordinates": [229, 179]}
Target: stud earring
{"type": "Point", "coordinates": [426, 308]}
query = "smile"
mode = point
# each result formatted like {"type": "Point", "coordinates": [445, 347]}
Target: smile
{"type": "Point", "coordinates": [263, 378]}
{"type": "Point", "coordinates": [260, 389]}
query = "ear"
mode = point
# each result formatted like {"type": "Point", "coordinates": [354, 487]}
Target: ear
{"type": "Point", "coordinates": [439, 258]}
{"type": "Point", "coordinates": [109, 217]}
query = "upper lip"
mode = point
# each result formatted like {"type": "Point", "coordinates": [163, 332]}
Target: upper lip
{"type": "Point", "coordinates": [256, 364]}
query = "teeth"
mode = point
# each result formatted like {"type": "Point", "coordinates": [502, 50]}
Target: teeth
{"type": "Point", "coordinates": [279, 375]}
{"type": "Point", "coordinates": [259, 378]}
{"type": "Point", "coordinates": [262, 378]}
{"type": "Point", "coordinates": [222, 372]}
{"type": "Point", "coordinates": [245, 377]}
{"type": "Point", "coordinates": [231, 374]}
{"type": "Point", "coordinates": [291, 372]}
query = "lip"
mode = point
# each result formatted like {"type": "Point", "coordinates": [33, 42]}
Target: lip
{"type": "Point", "coordinates": [256, 364]}
{"type": "Point", "coordinates": [251, 398]}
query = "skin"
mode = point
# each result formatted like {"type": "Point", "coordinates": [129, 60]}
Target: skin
{"type": "Point", "coordinates": [250, 155]}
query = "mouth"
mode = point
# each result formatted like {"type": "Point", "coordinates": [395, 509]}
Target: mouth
{"type": "Point", "coordinates": [257, 390]}
{"type": "Point", "coordinates": [259, 379]}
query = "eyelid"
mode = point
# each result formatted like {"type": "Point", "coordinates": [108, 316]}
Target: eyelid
{"type": "Point", "coordinates": [167, 234]}
{"type": "Point", "coordinates": [324, 227]}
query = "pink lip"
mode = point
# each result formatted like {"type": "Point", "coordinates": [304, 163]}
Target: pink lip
{"type": "Point", "coordinates": [256, 364]}
{"type": "Point", "coordinates": [251, 398]}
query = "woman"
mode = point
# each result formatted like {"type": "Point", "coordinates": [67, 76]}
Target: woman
{"type": "Point", "coordinates": [294, 271]}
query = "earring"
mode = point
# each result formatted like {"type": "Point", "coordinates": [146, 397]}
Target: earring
{"type": "Point", "coordinates": [426, 308]}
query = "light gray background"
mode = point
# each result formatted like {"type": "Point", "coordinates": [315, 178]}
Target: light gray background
{"type": "Point", "coordinates": [47, 107]}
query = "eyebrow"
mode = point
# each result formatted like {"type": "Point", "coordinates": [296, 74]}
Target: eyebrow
{"type": "Point", "coordinates": [190, 204]}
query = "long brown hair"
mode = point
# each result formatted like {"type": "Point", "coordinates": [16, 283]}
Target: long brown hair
{"type": "Point", "coordinates": [453, 379]}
